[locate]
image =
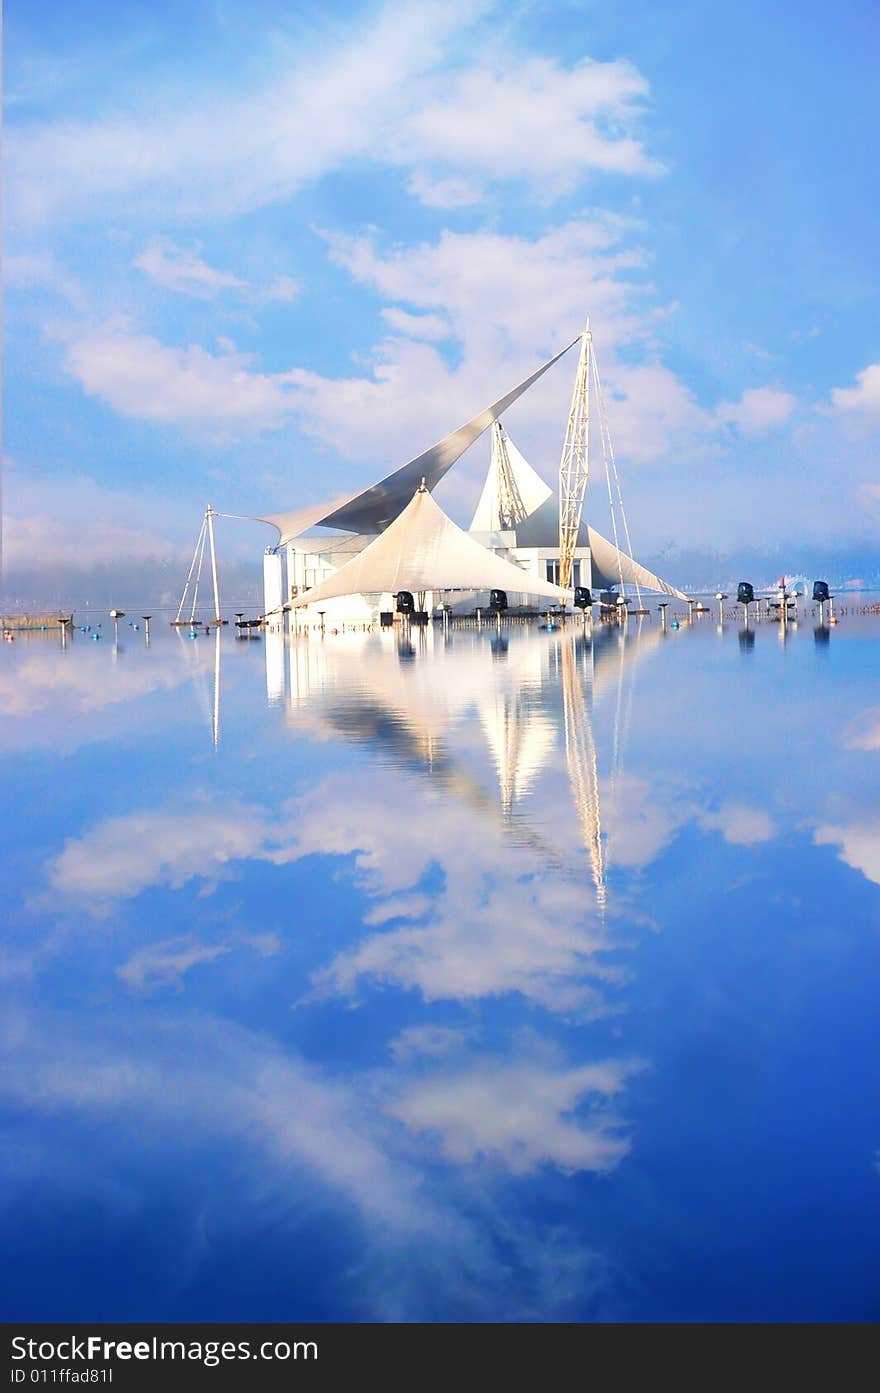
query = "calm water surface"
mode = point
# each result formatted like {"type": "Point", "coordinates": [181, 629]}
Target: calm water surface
{"type": "Point", "coordinates": [522, 978]}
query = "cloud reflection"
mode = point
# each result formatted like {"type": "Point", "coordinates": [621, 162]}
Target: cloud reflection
{"type": "Point", "coordinates": [520, 1114]}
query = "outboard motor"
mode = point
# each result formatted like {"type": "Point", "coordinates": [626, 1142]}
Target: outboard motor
{"type": "Point", "coordinates": [498, 601]}
{"type": "Point", "coordinates": [582, 597]}
{"type": "Point", "coordinates": [821, 592]}
{"type": "Point", "coordinates": [405, 602]}
{"type": "Point", "coordinates": [745, 593]}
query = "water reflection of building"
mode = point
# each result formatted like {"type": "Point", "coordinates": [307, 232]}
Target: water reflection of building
{"type": "Point", "coordinates": [413, 698]}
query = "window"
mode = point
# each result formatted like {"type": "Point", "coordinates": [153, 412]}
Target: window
{"type": "Point", "coordinates": [553, 572]}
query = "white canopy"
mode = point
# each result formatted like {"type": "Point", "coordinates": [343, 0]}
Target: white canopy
{"type": "Point", "coordinates": [609, 566]}
{"type": "Point", "coordinates": [423, 549]}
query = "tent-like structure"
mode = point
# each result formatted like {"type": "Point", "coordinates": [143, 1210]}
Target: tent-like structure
{"type": "Point", "coordinates": [422, 550]}
{"type": "Point", "coordinates": [526, 486]}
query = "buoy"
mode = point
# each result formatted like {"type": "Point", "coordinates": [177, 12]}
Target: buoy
{"type": "Point", "coordinates": [675, 624]}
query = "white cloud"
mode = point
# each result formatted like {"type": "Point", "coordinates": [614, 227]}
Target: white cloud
{"type": "Point", "coordinates": [502, 923]}
{"type": "Point", "coordinates": [452, 192]}
{"type": "Point", "coordinates": [71, 522]}
{"type": "Point", "coordinates": [37, 681]}
{"type": "Point", "coordinates": [433, 1041]}
{"type": "Point", "coordinates": [863, 733]}
{"type": "Point", "coordinates": [285, 289]}
{"type": "Point", "coordinates": [515, 294]}
{"type": "Point", "coordinates": [122, 856]}
{"type": "Point", "coordinates": [399, 907]}
{"type": "Point", "coordinates": [533, 120]}
{"type": "Point", "coordinates": [182, 269]}
{"type": "Point", "coordinates": [458, 289]}
{"type": "Point", "coordinates": [431, 1248]}
{"type": "Point", "coordinates": [530, 935]}
{"type": "Point", "coordinates": [508, 301]}
{"type": "Point", "coordinates": [864, 398]}
{"type": "Point", "coordinates": [228, 151]}
{"type": "Point", "coordinates": [402, 91]}
{"type": "Point", "coordinates": [141, 377]}
{"type": "Point", "coordinates": [859, 844]}
{"type": "Point", "coordinates": [759, 409]}
{"type": "Point", "coordinates": [416, 326]}
{"type": "Point", "coordinates": [639, 827]}
{"type": "Point", "coordinates": [166, 963]}
{"type": "Point", "coordinates": [739, 824]}
{"type": "Point", "coordinates": [223, 1082]}
{"type": "Point", "coordinates": [92, 542]}
{"type": "Point", "coordinates": [39, 270]}
{"type": "Point", "coordinates": [520, 1115]}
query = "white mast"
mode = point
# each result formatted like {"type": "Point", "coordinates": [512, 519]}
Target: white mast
{"type": "Point", "coordinates": [209, 514]}
{"type": "Point", "coordinates": [574, 466]}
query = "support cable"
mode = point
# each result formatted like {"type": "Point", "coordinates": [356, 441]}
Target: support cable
{"type": "Point", "coordinates": [199, 571]}
{"type": "Point", "coordinates": [606, 433]}
{"type": "Point", "coordinates": [191, 569]}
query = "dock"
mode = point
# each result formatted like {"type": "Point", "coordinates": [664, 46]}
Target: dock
{"type": "Point", "coordinates": [35, 621]}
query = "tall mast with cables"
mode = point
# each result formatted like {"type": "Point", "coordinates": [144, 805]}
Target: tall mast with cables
{"type": "Point", "coordinates": [574, 466]}
{"type": "Point", "coordinates": [574, 471]}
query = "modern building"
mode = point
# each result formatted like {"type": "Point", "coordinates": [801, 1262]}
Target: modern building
{"type": "Point", "coordinates": [350, 575]}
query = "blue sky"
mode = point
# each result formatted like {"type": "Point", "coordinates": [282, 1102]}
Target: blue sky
{"type": "Point", "coordinates": [257, 257]}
